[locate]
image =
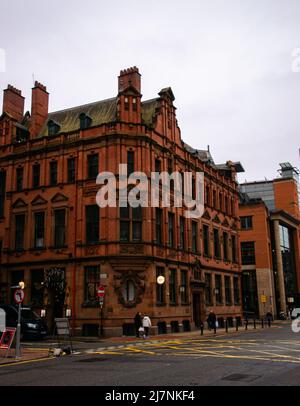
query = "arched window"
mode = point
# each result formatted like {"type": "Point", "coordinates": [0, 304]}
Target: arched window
{"type": "Point", "coordinates": [128, 291]}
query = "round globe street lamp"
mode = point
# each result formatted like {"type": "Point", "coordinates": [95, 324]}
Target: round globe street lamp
{"type": "Point", "coordinates": [160, 280]}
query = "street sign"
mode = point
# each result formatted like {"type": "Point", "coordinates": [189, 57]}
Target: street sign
{"type": "Point", "coordinates": [19, 296]}
{"type": "Point", "coordinates": [101, 291]}
{"type": "Point", "coordinates": [263, 298]}
{"type": "Point", "coordinates": [62, 326]}
{"type": "Point", "coordinates": [291, 300]}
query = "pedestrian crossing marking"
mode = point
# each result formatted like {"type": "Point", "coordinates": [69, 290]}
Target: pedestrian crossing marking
{"type": "Point", "coordinates": [216, 348]}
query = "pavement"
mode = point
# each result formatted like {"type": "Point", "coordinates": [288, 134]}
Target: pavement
{"type": "Point", "coordinates": [27, 355]}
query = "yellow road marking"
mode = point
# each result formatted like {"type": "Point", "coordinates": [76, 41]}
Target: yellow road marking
{"type": "Point", "coordinates": [216, 355]}
{"type": "Point", "coordinates": [284, 348]}
{"type": "Point", "coordinates": [264, 352]}
{"type": "Point", "coordinates": [138, 350]}
{"type": "Point", "coordinates": [26, 362]}
{"type": "Point", "coordinates": [106, 352]}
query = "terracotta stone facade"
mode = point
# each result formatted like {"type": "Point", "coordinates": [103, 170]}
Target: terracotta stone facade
{"type": "Point", "coordinates": [50, 223]}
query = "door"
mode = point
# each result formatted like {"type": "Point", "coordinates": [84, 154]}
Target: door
{"type": "Point", "coordinates": [196, 309]}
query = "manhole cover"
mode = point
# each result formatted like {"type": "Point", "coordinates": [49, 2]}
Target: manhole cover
{"type": "Point", "coordinates": [240, 377]}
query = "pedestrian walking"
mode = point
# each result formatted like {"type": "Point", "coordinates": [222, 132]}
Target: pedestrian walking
{"type": "Point", "coordinates": [212, 321]}
{"type": "Point", "coordinates": [146, 325]}
{"type": "Point", "coordinates": [138, 323]}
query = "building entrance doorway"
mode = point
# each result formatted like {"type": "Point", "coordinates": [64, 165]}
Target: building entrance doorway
{"type": "Point", "coordinates": [197, 309]}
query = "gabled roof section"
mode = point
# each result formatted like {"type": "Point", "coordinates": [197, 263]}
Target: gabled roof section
{"type": "Point", "coordinates": [150, 111]}
{"type": "Point", "coordinates": [203, 155]}
{"type": "Point", "coordinates": [130, 90]}
{"type": "Point", "coordinates": [167, 92]}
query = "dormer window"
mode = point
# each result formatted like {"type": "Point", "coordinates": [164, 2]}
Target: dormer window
{"type": "Point", "coordinates": [53, 128]}
{"type": "Point", "coordinates": [134, 104]}
{"type": "Point", "coordinates": [22, 135]}
{"type": "Point", "coordinates": [85, 121]}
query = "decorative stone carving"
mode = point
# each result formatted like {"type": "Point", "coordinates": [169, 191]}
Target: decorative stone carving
{"type": "Point", "coordinates": [59, 197]}
{"type": "Point", "coordinates": [216, 219]}
{"type": "Point", "coordinates": [93, 250]}
{"type": "Point", "coordinates": [131, 249]}
{"type": "Point", "coordinates": [206, 215]}
{"type": "Point", "coordinates": [38, 200]}
{"type": "Point", "coordinates": [19, 203]}
{"type": "Point", "coordinates": [225, 223]}
{"type": "Point", "coordinates": [90, 192]}
{"type": "Point", "coordinates": [138, 280]}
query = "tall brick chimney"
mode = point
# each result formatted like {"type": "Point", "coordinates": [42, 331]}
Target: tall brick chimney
{"type": "Point", "coordinates": [39, 108]}
{"type": "Point", "coordinates": [130, 77]}
{"type": "Point", "coordinates": [13, 102]}
{"type": "Point", "coordinates": [129, 96]}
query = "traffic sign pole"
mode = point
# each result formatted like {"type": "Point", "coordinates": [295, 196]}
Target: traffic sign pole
{"type": "Point", "coordinates": [18, 338]}
{"type": "Point", "coordinates": [101, 294]}
{"type": "Point", "coordinates": [19, 297]}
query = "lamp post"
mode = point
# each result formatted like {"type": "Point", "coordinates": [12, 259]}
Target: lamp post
{"type": "Point", "coordinates": [19, 296]}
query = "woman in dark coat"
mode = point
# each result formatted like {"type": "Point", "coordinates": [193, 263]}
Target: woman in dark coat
{"type": "Point", "coordinates": [137, 323]}
{"type": "Point", "coordinates": [211, 321]}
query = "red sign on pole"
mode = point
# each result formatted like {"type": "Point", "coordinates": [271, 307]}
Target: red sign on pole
{"type": "Point", "coordinates": [19, 296]}
{"type": "Point", "coordinates": [101, 291]}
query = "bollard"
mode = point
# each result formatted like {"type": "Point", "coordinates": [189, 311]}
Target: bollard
{"type": "Point", "coordinates": [262, 323]}
{"type": "Point", "coordinates": [246, 325]}
{"type": "Point", "coordinates": [254, 324]}
{"type": "Point", "coordinates": [237, 326]}
{"type": "Point", "coordinates": [269, 322]}
{"type": "Point", "coordinates": [201, 328]}
{"type": "Point", "coordinates": [226, 326]}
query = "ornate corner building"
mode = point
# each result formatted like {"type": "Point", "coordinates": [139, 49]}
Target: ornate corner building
{"type": "Point", "coordinates": [56, 238]}
{"type": "Point", "coordinates": [270, 243]}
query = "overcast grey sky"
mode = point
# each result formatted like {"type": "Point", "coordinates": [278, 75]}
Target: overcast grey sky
{"type": "Point", "coordinates": [227, 61]}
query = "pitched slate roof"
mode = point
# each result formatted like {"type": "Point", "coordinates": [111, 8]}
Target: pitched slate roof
{"type": "Point", "coordinates": [100, 112]}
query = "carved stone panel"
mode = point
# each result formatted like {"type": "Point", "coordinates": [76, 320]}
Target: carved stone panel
{"type": "Point", "coordinates": [132, 249]}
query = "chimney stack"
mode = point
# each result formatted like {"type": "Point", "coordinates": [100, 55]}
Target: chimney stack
{"type": "Point", "coordinates": [130, 77]}
{"type": "Point", "coordinates": [13, 102]}
{"type": "Point", "coordinates": [39, 108]}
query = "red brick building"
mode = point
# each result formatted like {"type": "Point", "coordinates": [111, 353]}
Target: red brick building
{"type": "Point", "coordinates": [51, 227]}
